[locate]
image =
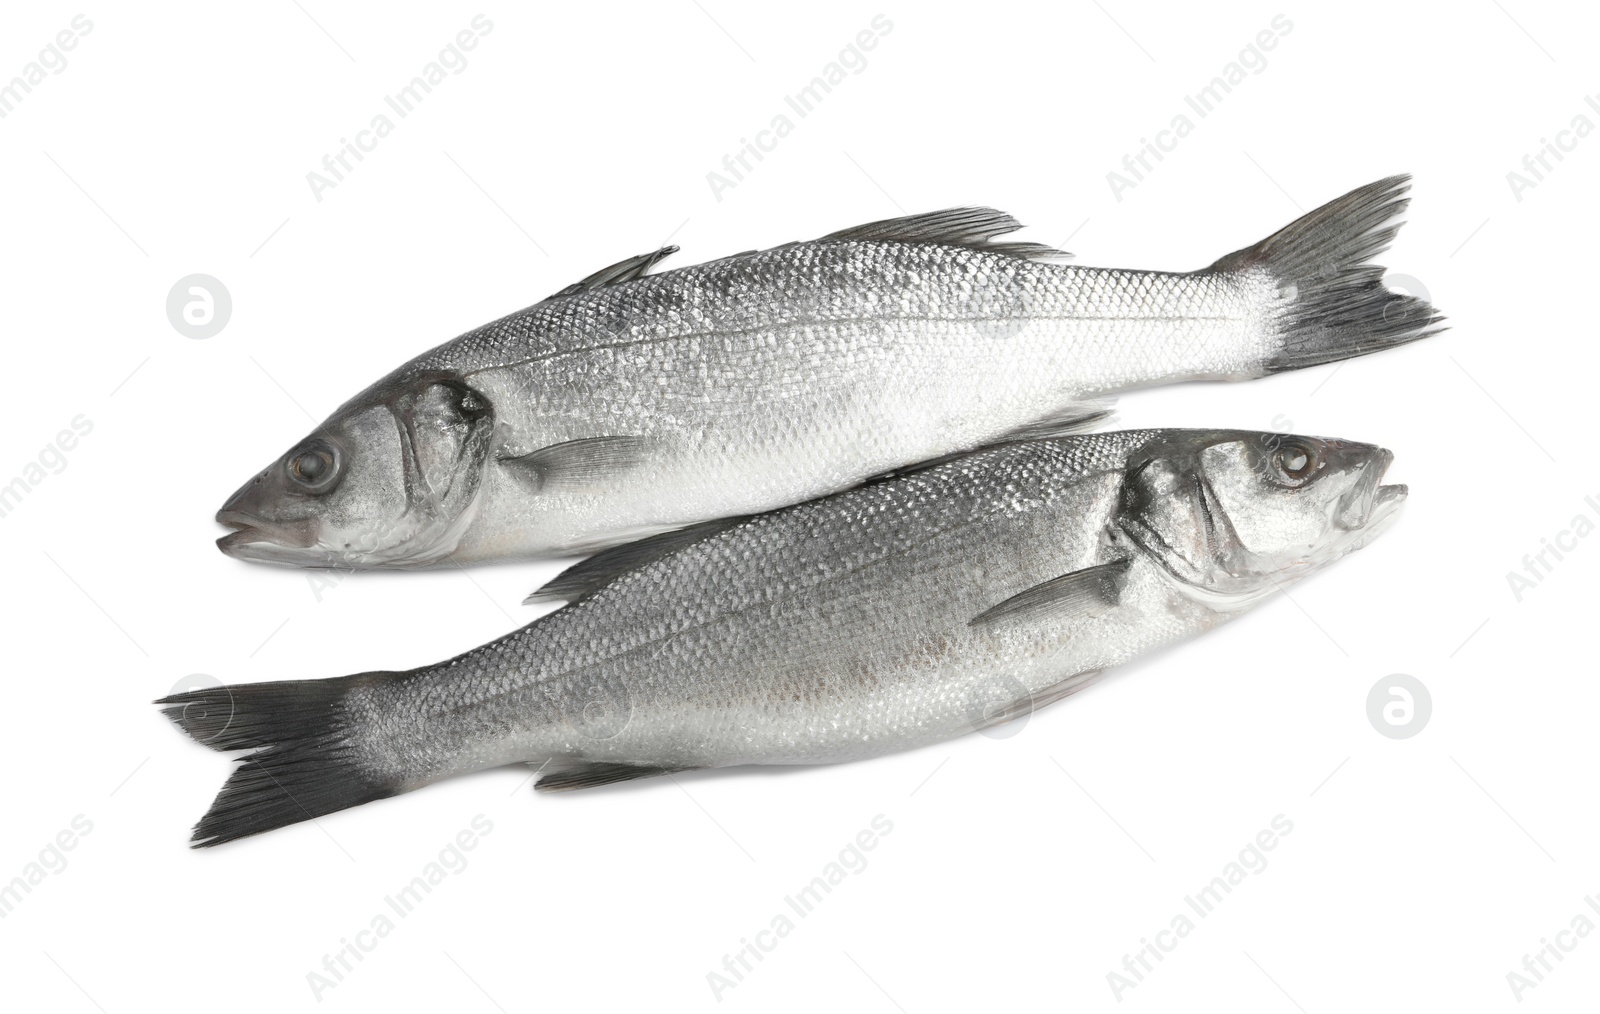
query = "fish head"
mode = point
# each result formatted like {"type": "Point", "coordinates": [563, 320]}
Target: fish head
{"type": "Point", "coordinates": [389, 480]}
{"type": "Point", "coordinates": [1234, 515]}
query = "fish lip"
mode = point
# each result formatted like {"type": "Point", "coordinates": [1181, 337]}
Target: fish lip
{"type": "Point", "coordinates": [1385, 501]}
{"type": "Point", "coordinates": [1369, 501]}
{"type": "Point", "coordinates": [243, 531]}
{"type": "Point", "coordinates": [1383, 505]}
{"type": "Point", "coordinates": [1394, 493]}
{"type": "Point", "coordinates": [250, 530]}
{"type": "Point", "coordinates": [1385, 498]}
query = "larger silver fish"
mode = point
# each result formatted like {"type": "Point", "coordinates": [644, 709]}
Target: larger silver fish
{"type": "Point", "coordinates": [888, 617]}
{"type": "Point", "coordinates": [629, 404]}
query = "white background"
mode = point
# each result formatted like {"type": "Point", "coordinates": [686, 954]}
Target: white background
{"type": "Point", "coordinates": [1020, 870]}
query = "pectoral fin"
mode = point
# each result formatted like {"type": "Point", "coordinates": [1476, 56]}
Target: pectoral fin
{"type": "Point", "coordinates": [586, 465]}
{"type": "Point", "coordinates": [1083, 593]}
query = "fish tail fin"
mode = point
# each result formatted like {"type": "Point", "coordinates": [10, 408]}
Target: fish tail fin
{"type": "Point", "coordinates": [1327, 302]}
{"type": "Point", "coordinates": [303, 763]}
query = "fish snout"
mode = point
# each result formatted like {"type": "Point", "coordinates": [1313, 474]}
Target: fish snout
{"type": "Point", "coordinates": [247, 499]}
{"type": "Point", "coordinates": [248, 512]}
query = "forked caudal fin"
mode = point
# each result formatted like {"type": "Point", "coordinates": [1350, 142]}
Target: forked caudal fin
{"type": "Point", "coordinates": [1332, 303]}
{"type": "Point", "coordinates": [302, 765]}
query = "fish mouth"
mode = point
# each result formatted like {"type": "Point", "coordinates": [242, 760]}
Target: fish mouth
{"type": "Point", "coordinates": [1368, 502]}
{"type": "Point", "coordinates": [1376, 509]}
{"type": "Point", "coordinates": [255, 539]}
{"type": "Point", "coordinates": [1385, 500]}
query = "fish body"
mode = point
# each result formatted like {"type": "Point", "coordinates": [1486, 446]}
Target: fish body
{"type": "Point", "coordinates": [634, 403]}
{"type": "Point", "coordinates": [898, 614]}
{"type": "Point", "coordinates": [784, 375]}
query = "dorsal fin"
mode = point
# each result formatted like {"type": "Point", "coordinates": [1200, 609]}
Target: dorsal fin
{"type": "Point", "coordinates": [586, 577]}
{"type": "Point", "coordinates": [1070, 420]}
{"type": "Point", "coordinates": [623, 271]}
{"type": "Point", "coordinates": [975, 228]}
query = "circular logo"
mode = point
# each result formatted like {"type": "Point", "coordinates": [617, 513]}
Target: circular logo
{"type": "Point", "coordinates": [605, 714]}
{"type": "Point", "coordinates": [210, 711]}
{"type": "Point", "coordinates": [999, 707]}
{"type": "Point", "coordinates": [199, 306]}
{"type": "Point", "coordinates": [1405, 284]}
{"type": "Point", "coordinates": [1399, 706]}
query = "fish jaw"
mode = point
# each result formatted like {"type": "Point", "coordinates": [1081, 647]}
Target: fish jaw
{"type": "Point", "coordinates": [263, 541]}
{"type": "Point", "coordinates": [255, 536]}
{"type": "Point", "coordinates": [1382, 512]}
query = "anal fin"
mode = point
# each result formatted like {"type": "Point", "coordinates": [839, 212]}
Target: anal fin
{"type": "Point", "coordinates": [566, 775]}
{"type": "Point", "coordinates": [1028, 704]}
{"type": "Point", "coordinates": [1073, 419]}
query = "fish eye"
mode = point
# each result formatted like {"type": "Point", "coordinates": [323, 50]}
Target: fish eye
{"type": "Point", "coordinates": [1296, 462]}
{"type": "Point", "coordinates": [313, 466]}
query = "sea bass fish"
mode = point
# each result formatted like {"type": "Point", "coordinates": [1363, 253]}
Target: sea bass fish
{"type": "Point", "coordinates": [887, 617]}
{"type": "Point", "coordinates": [630, 403]}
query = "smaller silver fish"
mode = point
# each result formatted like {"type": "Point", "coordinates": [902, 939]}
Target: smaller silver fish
{"type": "Point", "coordinates": [892, 616]}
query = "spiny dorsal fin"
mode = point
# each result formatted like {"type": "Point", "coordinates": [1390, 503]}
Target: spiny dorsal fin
{"type": "Point", "coordinates": [566, 775]}
{"type": "Point", "coordinates": [622, 271]}
{"type": "Point", "coordinates": [1086, 593]}
{"type": "Point", "coordinates": [586, 577]}
{"type": "Point", "coordinates": [968, 227]}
